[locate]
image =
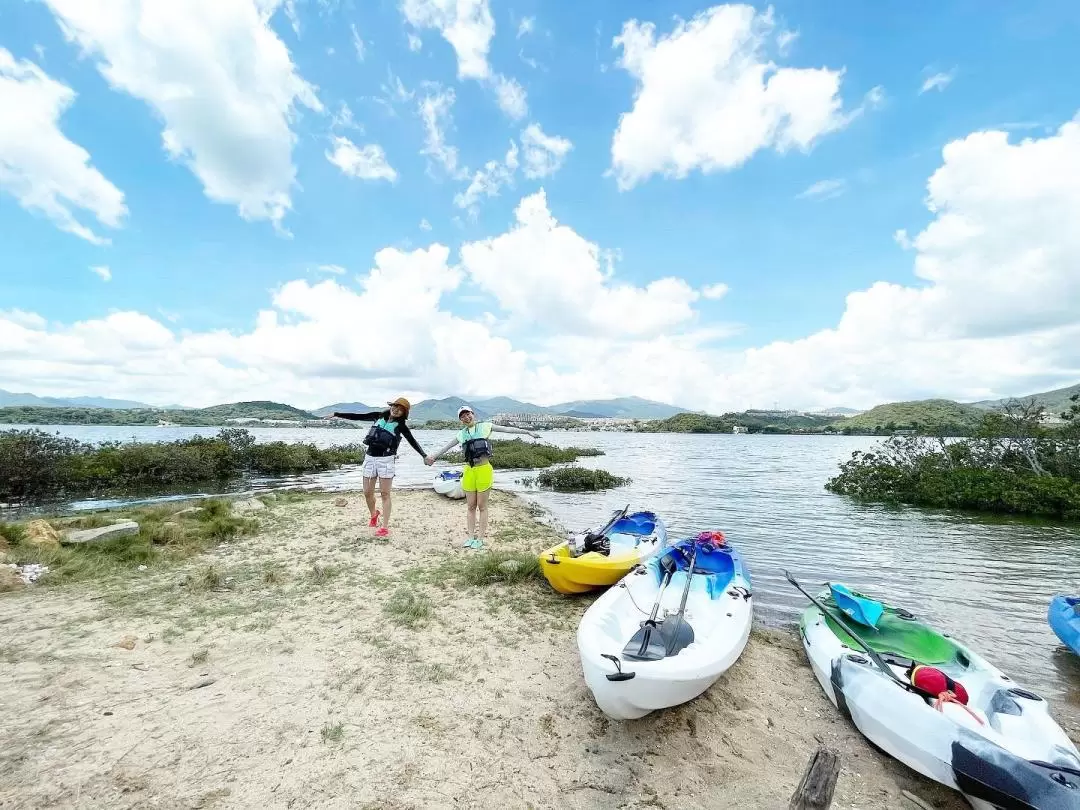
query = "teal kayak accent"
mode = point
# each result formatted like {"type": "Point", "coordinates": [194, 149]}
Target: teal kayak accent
{"type": "Point", "coordinates": [906, 637]}
{"type": "Point", "coordinates": [1063, 616]}
{"type": "Point", "coordinates": [865, 611]}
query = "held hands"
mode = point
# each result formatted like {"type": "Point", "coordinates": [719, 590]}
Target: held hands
{"type": "Point", "coordinates": [429, 460]}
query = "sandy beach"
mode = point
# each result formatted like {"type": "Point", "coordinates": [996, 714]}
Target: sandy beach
{"type": "Point", "coordinates": [309, 665]}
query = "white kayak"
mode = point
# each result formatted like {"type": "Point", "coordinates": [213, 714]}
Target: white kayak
{"type": "Point", "coordinates": [956, 719]}
{"type": "Point", "coordinates": [448, 483]}
{"type": "Point", "coordinates": [681, 657]}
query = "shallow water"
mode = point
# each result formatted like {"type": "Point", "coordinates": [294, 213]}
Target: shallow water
{"type": "Point", "coordinates": [986, 581]}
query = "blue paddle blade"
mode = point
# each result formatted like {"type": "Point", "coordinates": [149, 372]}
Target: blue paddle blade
{"type": "Point", "coordinates": [859, 608]}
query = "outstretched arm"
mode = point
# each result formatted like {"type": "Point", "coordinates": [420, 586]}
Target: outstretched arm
{"type": "Point", "coordinates": [359, 417]}
{"type": "Point", "coordinates": [508, 429]}
{"type": "Point", "coordinates": [412, 440]}
{"type": "Point", "coordinates": [450, 446]}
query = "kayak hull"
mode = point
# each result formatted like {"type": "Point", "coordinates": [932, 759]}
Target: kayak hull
{"type": "Point", "coordinates": [719, 608]}
{"type": "Point", "coordinates": [1065, 620]}
{"type": "Point", "coordinates": [449, 484]}
{"type": "Point", "coordinates": [587, 572]}
{"type": "Point", "coordinates": [986, 753]}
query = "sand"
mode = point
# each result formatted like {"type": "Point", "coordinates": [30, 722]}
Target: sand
{"type": "Point", "coordinates": [267, 674]}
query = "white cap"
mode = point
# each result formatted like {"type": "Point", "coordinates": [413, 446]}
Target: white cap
{"type": "Point", "coordinates": [465, 408]}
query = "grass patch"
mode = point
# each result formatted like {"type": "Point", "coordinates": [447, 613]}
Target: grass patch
{"type": "Point", "coordinates": [495, 567]}
{"type": "Point", "coordinates": [333, 733]}
{"type": "Point", "coordinates": [272, 574]}
{"type": "Point", "coordinates": [408, 608]}
{"type": "Point", "coordinates": [518, 454]}
{"type": "Point", "coordinates": [164, 537]}
{"type": "Point", "coordinates": [209, 578]}
{"type": "Point", "coordinates": [321, 574]}
{"type": "Point", "coordinates": [433, 673]}
{"type": "Point", "coordinates": [579, 479]}
{"type": "Point", "coordinates": [200, 657]}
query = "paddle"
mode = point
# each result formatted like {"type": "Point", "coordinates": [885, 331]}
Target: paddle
{"type": "Point", "coordinates": [642, 646]}
{"type": "Point", "coordinates": [870, 652]}
{"type": "Point", "coordinates": [683, 634]}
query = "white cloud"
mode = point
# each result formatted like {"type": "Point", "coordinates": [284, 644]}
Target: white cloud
{"type": "Point", "coordinates": [545, 273]}
{"type": "Point", "coordinates": [366, 162]}
{"type": "Point", "coordinates": [294, 18]}
{"type": "Point", "coordinates": [992, 309]}
{"type": "Point", "coordinates": [708, 99]}
{"type": "Point", "coordinates": [425, 225]}
{"type": "Point", "coordinates": [511, 97]}
{"type": "Point", "coordinates": [47, 173]}
{"type": "Point", "coordinates": [487, 182]}
{"type": "Point", "coordinates": [343, 118]}
{"type": "Point", "coordinates": [333, 269]}
{"type": "Point", "coordinates": [358, 42]}
{"type": "Point", "coordinates": [714, 292]}
{"type": "Point", "coordinates": [823, 190]}
{"type": "Point", "coordinates": [784, 41]}
{"type": "Point", "coordinates": [902, 239]}
{"type": "Point", "coordinates": [415, 43]}
{"type": "Point", "coordinates": [434, 111]}
{"type": "Point", "coordinates": [103, 272]}
{"type": "Point", "coordinates": [939, 81]}
{"type": "Point", "coordinates": [544, 154]}
{"type": "Point", "coordinates": [40, 51]}
{"type": "Point", "coordinates": [217, 76]}
{"type": "Point", "coordinates": [466, 24]}
{"type": "Point", "coordinates": [526, 26]}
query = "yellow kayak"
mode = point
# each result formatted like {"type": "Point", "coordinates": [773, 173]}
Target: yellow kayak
{"type": "Point", "coordinates": [597, 559]}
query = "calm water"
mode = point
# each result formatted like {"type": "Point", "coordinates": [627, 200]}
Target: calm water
{"type": "Point", "coordinates": [986, 581]}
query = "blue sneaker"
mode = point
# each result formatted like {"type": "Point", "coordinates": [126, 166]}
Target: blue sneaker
{"type": "Point", "coordinates": [474, 542]}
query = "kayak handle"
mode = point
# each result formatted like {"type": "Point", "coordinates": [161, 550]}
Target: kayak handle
{"type": "Point", "coordinates": [552, 559]}
{"type": "Point", "coordinates": [739, 590]}
{"type": "Point", "coordinates": [620, 675]}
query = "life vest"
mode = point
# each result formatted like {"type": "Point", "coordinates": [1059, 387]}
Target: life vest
{"type": "Point", "coordinates": [932, 682]}
{"type": "Point", "coordinates": [477, 447]}
{"type": "Point", "coordinates": [382, 439]}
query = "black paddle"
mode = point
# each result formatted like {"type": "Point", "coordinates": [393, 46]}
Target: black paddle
{"type": "Point", "coordinates": [683, 634]}
{"type": "Point", "coordinates": [642, 646]}
{"type": "Point", "coordinates": [870, 652]}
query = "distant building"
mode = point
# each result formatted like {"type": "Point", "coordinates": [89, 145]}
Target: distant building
{"type": "Point", "coordinates": [740, 429]}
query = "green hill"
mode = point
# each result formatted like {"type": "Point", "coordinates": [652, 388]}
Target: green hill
{"type": "Point", "coordinates": [1054, 401]}
{"type": "Point", "coordinates": [195, 417]}
{"type": "Point", "coordinates": [254, 410]}
{"type": "Point", "coordinates": [924, 414]}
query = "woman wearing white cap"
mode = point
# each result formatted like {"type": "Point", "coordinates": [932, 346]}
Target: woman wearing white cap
{"type": "Point", "coordinates": [478, 476]}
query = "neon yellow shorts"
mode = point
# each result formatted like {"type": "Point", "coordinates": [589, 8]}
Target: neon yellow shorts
{"type": "Point", "coordinates": [478, 478]}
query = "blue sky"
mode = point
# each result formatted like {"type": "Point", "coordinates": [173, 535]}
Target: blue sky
{"type": "Point", "coordinates": [789, 259]}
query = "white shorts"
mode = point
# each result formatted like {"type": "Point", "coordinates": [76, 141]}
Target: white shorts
{"type": "Point", "coordinates": [379, 466]}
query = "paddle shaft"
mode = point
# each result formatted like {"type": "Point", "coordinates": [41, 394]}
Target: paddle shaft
{"type": "Point", "coordinates": [685, 593]}
{"type": "Point", "coordinates": [659, 597]}
{"type": "Point", "coordinates": [870, 652]}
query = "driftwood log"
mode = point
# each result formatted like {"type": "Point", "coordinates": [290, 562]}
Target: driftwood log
{"type": "Point", "coordinates": [815, 791]}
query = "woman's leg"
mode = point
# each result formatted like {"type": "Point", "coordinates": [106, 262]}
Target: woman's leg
{"type": "Point", "coordinates": [470, 513]}
{"type": "Point", "coordinates": [369, 496]}
{"type": "Point", "coordinates": [385, 485]}
{"type": "Point", "coordinates": [482, 509]}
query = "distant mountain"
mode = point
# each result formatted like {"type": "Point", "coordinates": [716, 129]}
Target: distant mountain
{"type": "Point", "coordinates": [620, 408]}
{"type": "Point", "coordinates": [9, 399]}
{"type": "Point", "coordinates": [1054, 401]}
{"type": "Point", "coordinates": [261, 409]}
{"type": "Point", "coordinates": [443, 410]}
{"type": "Point", "coordinates": [921, 413]}
{"type": "Point", "coordinates": [582, 415]}
{"type": "Point", "coordinates": [344, 407]}
{"type": "Point", "coordinates": [508, 405]}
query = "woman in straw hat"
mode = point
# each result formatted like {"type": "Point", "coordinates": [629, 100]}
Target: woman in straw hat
{"type": "Point", "coordinates": [380, 460]}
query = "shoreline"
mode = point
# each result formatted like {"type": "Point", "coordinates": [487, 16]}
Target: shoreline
{"type": "Point", "coordinates": [308, 664]}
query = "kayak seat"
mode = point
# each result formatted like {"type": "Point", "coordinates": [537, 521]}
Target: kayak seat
{"type": "Point", "coordinates": [899, 637]}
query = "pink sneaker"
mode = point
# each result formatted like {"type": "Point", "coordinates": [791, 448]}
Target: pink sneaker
{"type": "Point", "coordinates": [375, 518]}
{"type": "Point", "coordinates": [383, 532]}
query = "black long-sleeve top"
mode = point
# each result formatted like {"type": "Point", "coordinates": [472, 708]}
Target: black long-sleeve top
{"type": "Point", "coordinates": [401, 428]}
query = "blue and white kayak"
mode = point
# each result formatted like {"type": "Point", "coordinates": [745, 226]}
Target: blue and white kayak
{"type": "Point", "coordinates": [448, 483]}
{"type": "Point", "coordinates": [689, 652]}
{"type": "Point", "coordinates": [1064, 618]}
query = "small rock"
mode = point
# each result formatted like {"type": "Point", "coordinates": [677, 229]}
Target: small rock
{"type": "Point", "coordinates": [123, 528]}
{"type": "Point", "coordinates": [340, 502]}
{"type": "Point", "coordinates": [41, 535]}
{"type": "Point", "coordinates": [248, 505]}
{"type": "Point", "coordinates": [191, 510]}
{"type": "Point", "coordinates": [10, 579]}
{"type": "Point", "coordinates": [141, 667]}
{"type": "Point", "coordinates": [108, 714]}
{"type": "Point", "coordinates": [126, 643]}
{"type": "Point", "coordinates": [142, 567]}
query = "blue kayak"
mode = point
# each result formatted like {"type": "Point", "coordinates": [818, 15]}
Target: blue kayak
{"type": "Point", "coordinates": [1064, 618]}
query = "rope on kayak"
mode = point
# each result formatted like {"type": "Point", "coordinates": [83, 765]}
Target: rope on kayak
{"type": "Point", "coordinates": [950, 697]}
{"type": "Point", "coordinates": [631, 595]}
